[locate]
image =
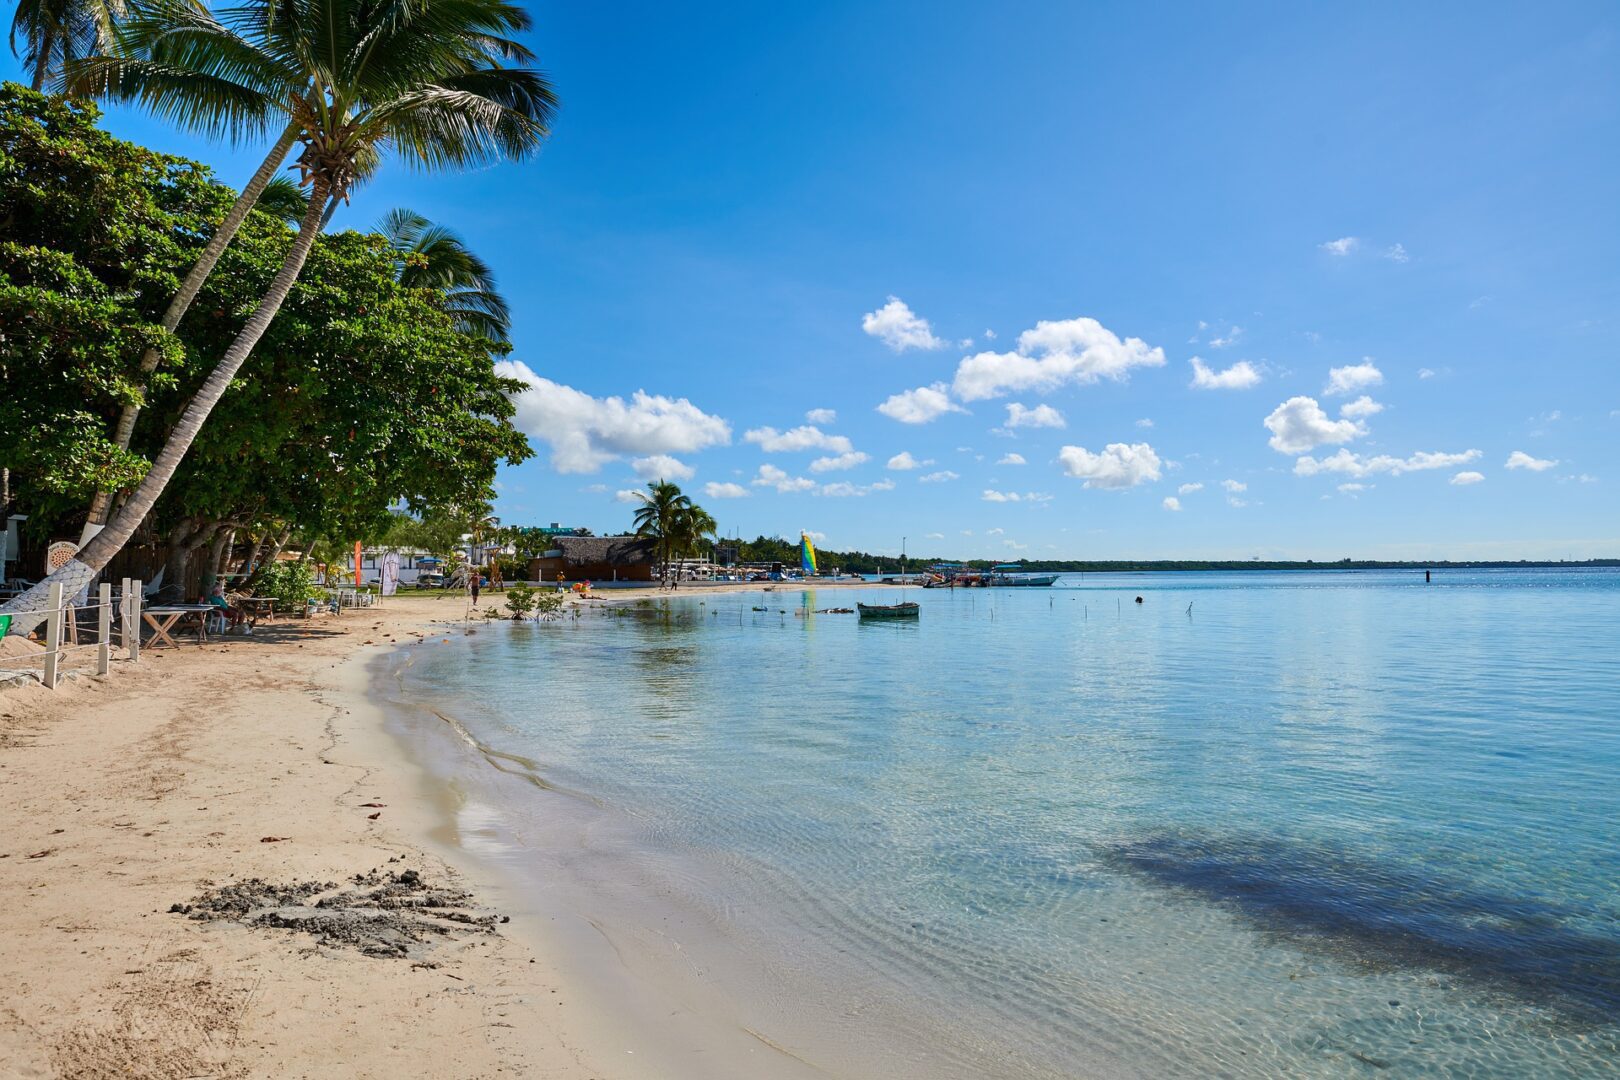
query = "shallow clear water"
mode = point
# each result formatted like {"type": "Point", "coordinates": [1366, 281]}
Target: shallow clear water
{"type": "Point", "coordinates": [1324, 824]}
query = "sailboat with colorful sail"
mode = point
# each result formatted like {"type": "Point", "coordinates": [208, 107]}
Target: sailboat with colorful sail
{"type": "Point", "coordinates": [807, 554]}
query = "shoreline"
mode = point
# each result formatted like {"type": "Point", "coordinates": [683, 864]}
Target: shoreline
{"type": "Point", "coordinates": [249, 758]}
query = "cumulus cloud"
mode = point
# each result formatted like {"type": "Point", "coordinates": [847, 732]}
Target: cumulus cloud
{"type": "Point", "coordinates": [1052, 354]}
{"type": "Point", "coordinates": [839, 462]}
{"type": "Point", "coordinates": [1120, 465]}
{"type": "Point", "coordinates": [1346, 463]}
{"type": "Point", "coordinates": [1344, 245]}
{"type": "Point", "coordinates": [1425, 373]}
{"type": "Point", "coordinates": [1360, 409]}
{"type": "Point", "coordinates": [1040, 416]}
{"type": "Point", "coordinates": [1299, 424]}
{"type": "Point", "coordinates": [1172, 503]}
{"type": "Point", "coordinates": [1397, 253]}
{"type": "Point", "coordinates": [716, 490]}
{"type": "Point", "coordinates": [1352, 377]}
{"type": "Point", "coordinates": [1240, 376]}
{"type": "Point", "coordinates": [1188, 489]}
{"type": "Point", "coordinates": [804, 437]}
{"type": "Point", "coordinates": [898, 327]}
{"type": "Point", "coordinates": [919, 406]}
{"type": "Point", "coordinates": [586, 432]}
{"type": "Point", "coordinates": [1013, 496]}
{"type": "Point", "coordinates": [627, 495]}
{"type": "Point", "coordinates": [662, 467]}
{"type": "Point", "coordinates": [1521, 460]}
{"type": "Point", "coordinates": [1230, 338]}
{"type": "Point", "coordinates": [1463, 479]}
{"type": "Point", "coordinates": [822, 416]}
{"type": "Point", "coordinates": [1234, 486]}
{"type": "Point", "coordinates": [904, 462]}
{"type": "Point", "coordinates": [1012, 459]}
{"type": "Point", "coordinates": [938, 477]}
{"type": "Point", "coordinates": [1145, 422]}
{"type": "Point", "coordinates": [990, 532]}
{"type": "Point", "coordinates": [1352, 488]}
{"type": "Point", "coordinates": [771, 476]}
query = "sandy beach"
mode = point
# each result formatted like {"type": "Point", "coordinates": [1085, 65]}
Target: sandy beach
{"type": "Point", "coordinates": [249, 758]}
{"type": "Point", "coordinates": [215, 862]}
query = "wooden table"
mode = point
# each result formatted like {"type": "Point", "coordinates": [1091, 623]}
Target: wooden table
{"type": "Point", "coordinates": [163, 617]}
{"type": "Point", "coordinates": [261, 607]}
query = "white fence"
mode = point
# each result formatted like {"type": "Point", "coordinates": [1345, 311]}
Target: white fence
{"type": "Point", "coordinates": [63, 630]}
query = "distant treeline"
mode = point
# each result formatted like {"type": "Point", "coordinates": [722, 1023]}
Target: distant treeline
{"type": "Point", "coordinates": [776, 549]}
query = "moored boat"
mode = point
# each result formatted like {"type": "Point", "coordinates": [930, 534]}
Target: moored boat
{"type": "Point", "coordinates": [1012, 574]}
{"type": "Point", "coordinates": [906, 610]}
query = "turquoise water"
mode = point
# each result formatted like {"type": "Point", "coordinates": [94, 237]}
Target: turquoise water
{"type": "Point", "coordinates": [1292, 824]}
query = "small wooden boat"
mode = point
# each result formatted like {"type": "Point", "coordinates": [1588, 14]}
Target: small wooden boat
{"type": "Point", "coordinates": [888, 611]}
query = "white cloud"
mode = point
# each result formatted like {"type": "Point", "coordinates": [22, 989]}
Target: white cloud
{"type": "Point", "coordinates": [1234, 486]}
{"type": "Point", "coordinates": [595, 489]}
{"type": "Point", "coordinates": [938, 477]}
{"type": "Point", "coordinates": [1361, 408]}
{"type": "Point", "coordinates": [1120, 465]}
{"type": "Point", "coordinates": [903, 461]}
{"type": "Point", "coordinates": [992, 532]}
{"type": "Point", "coordinates": [919, 406]}
{"type": "Point", "coordinates": [1013, 496]}
{"type": "Point", "coordinates": [1344, 245]}
{"type": "Point", "coordinates": [1052, 354]}
{"type": "Point", "coordinates": [1299, 424]}
{"type": "Point", "coordinates": [990, 335]}
{"type": "Point", "coordinates": [662, 467]}
{"type": "Point", "coordinates": [1233, 500]}
{"type": "Point", "coordinates": [1015, 545]}
{"type": "Point", "coordinates": [1172, 503]}
{"type": "Point", "coordinates": [842, 461]}
{"type": "Point", "coordinates": [1229, 339]}
{"type": "Point", "coordinates": [934, 536]}
{"type": "Point", "coordinates": [804, 437]}
{"type": "Point", "coordinates": [1352, 377]}
{"type": "Point", "coordinates": [627, 495]}
{"type": "Point", "coordinates": [724, 491]}
{"type": "Point", "coordinates": [771, 476]}
{"type": "Point", "coordinates": [1464, 478]}
{"type": "Point", "coordinates": [586, 432]}
{"type": "Point", "coordinates": [898, 327]}
{"type": "Point", "coordinates": [1188, 489]}
{"type": "Point", "coordinates": [844, 490]}
{"type": "Point", "coordinates": [1521, 460]}
{"type": "Point", "coordinates": [1355, 465]}
{"type": "Point", "coordinates": [822, 416]}
{"type": "Point", "coordinates": [1012, 459]}
{"type": "Point", "coordinates": [1240, 376]}
{"type": "Point", "coordinates": [1038, 417]}
{"type": "Point", "coordinates": [1425, 373]}
{"type": "Point", "coordinates": [1353, 487]}
{"type": "Point", "coordinates": [1144, 423]}
{"type": "Point", "coordinates": [1397, 253]}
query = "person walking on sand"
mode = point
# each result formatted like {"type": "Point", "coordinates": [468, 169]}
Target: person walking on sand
{"type": "Point", "coordinates": [473, 580]}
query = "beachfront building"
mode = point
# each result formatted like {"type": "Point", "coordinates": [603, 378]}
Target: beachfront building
{"type": "Point", "coordinates": [597, 558]}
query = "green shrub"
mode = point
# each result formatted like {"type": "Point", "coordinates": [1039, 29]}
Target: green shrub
{"type": "Point", "coordinates": [292, 584]}
{"type": "Point", "coordinates": [548, 603]}
{"type": "Point", "coordinates": [520, 600]}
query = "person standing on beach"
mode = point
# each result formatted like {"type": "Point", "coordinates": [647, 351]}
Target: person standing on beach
{"type": "Point", "coordinates": [473, 580]}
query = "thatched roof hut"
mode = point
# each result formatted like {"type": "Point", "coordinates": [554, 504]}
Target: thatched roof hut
{"type": "Point", "coordinates": [597, 558]}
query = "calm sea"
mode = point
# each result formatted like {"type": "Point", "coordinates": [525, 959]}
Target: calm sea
{"type": "Point", "coordinates": [1280, 824]}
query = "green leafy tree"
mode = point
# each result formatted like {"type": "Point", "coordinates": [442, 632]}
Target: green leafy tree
{"type": "Point", "coordinates": [361, 79]}
{"type": "Point", "coordinates": [672, 519]}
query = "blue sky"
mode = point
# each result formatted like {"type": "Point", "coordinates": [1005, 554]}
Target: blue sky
{"type": "Point", "coordinates": [750, 212]}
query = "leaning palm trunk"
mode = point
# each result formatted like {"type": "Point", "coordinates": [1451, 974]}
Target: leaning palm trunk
{"type": "Point", "coordinates": [95, 555]}
{"type": "Point", "coordinates": [189, 288]}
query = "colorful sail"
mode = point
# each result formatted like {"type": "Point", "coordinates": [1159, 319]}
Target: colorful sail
{"type": "Point", "coordinates": [807, 554]}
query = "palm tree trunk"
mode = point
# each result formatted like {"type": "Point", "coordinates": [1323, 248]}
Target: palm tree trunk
{"type": "Point", "coordinates": [95, 555]}
{"type": "Point", "coordinates": [101, 505]}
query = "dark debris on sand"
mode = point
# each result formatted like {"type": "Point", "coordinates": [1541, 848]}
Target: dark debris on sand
{"type": "Point", "coordinates": [380, 913]}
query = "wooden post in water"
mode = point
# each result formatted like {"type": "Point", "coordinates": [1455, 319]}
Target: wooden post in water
{"type": "Point", "coordinates": [104, 629]}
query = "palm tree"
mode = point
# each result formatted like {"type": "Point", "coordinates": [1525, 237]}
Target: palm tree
{"type": "Point", "coordinates": [671, 519]}
{"type": "Point", "coordinates": [433, 257]}
{"type": "Point", "coordinates": [278, 66]}
{"type": "Point", "coordinates": [55, 33]}
{"type": "Point", "coordinates": [360, 78]}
